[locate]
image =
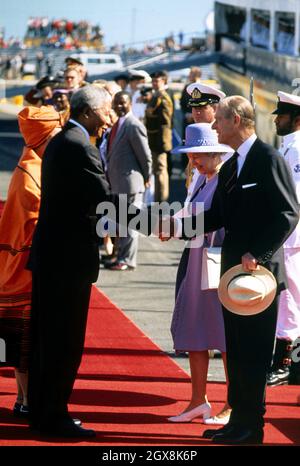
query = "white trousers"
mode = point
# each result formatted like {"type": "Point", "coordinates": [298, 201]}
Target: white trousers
{"type": "Point", "coordinates": [288, 323]}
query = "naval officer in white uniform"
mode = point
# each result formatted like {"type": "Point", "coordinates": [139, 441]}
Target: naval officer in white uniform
{"type": "Point", "coordinates": [203, 102]}
{"type": "Point", "coordinates": [287, 123]}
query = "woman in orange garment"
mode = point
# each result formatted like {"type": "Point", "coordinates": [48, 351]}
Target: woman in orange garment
{"type": "Point", "coordinates": [17, 223]}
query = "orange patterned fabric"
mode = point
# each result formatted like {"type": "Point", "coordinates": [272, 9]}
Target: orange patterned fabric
{"type": "Point", "coordinates": [36, 124]}
{"type": "Point", "coordinates": [21, 210]}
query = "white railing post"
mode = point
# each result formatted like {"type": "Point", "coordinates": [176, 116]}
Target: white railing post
{"type": "Point", "coordinates": [272, 30]}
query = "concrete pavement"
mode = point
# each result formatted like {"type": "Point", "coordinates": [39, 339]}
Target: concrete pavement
{"type": "Point", "coordinates": [146, 295]}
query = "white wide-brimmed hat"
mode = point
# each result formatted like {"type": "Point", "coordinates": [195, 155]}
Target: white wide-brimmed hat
{"type": "Point", "coordinates": [200, 137]}
{"type": "Point", "coordinates": [139, 74]}
{"type": "Point", "coordinates": [287, 103]}
{"type": "Point", "coordinates": [247, 293]}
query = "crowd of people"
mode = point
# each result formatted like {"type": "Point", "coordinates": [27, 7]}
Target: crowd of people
{"type": "Point", "coordinates": [90, 143]}
{"type": "Point", "coordinates": [62, 33]}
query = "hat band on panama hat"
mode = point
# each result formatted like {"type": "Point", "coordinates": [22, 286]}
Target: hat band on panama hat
{"type": "Point", "coordinates": [239, 293]}
{"type": "Point", "coordinates": [247, 293]}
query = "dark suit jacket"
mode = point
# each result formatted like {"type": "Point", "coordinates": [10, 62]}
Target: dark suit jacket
{"type": "Point", "coordinates": [184, 100]}
{"type": "Point", "coordinates": [73, 183]}
{"type": "Point", "coordinates": [257, 219]}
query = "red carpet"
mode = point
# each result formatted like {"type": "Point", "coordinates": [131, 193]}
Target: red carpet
{"type": "Point", "coordinates": [1, 206]}
{"type": "Point", "coordinates": [127, 388]}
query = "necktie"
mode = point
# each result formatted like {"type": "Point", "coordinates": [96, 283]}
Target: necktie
{"type": "Point", "coordinates": [113, 134]}
{"type": "Point", "coordinates": [231, 182]}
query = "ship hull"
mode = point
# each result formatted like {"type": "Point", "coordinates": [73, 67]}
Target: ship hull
{"type": "Point", "coordinates": [233, 83]}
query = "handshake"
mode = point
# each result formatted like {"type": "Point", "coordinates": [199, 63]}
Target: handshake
{"type": "Point", "coordinates": [165, 228]}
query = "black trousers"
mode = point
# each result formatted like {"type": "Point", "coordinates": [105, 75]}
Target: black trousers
{"type": "Point", "coordinates": [249, 345]}
{"type": "Point", "coordinates": [58, 325]}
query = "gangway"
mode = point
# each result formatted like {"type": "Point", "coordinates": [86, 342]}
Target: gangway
{"type": "Point", "coordinates": [168, 62]}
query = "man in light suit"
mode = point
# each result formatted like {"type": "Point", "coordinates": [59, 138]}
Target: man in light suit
{"type": "Point", "coordinates": [255, 201]}
{"type": "Point", "coordinates": [129, 164]}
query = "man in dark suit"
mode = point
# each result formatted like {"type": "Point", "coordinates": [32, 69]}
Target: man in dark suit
{"type": "Point", "coordinates": [256, 203]}
{"type": "Point", "coordinates": [65, 261]}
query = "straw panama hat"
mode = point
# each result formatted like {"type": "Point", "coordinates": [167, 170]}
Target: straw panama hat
{"type": "Point", "coordinates": [247, 293]}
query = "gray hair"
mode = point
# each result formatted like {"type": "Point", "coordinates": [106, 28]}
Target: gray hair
{"type": "Point", "coordinates": [88, 96]}
{"type": "Point", "coordinates": [238, 105]}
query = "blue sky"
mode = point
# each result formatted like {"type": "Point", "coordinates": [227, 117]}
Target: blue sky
{"type": "Point", "coordinates": [153, 18]}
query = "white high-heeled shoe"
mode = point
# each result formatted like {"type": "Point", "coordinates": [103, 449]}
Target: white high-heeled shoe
{"type": "Point", "coordinates": [203, 410]}
{"type": "Point", "coordinates": [217, 421]}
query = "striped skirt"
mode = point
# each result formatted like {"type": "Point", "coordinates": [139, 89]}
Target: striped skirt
{"type": "Point", "coordinates": [15, 336]}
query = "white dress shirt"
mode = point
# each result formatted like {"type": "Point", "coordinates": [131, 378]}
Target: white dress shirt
{"type": "Point", "coordinates": [122, 119]}
{"type": "Point", "coordinates": [243, 151]}
{"type": "Point", "coordinates": [81, 127]}
{"type": "Point", "coordinates": [138, 107]}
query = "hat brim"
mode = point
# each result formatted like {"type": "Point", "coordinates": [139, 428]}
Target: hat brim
{"type": "Point", "coordinates": [286, 108]}
{"type": "Point", "coordinates": [202, 103]}
{"type": "Point", "coordinates": [61, 91]}
{"type": "Point", "coordinates": [240, 309]}
{"type": "Point", "coordinates": [73, 60]}
{"type": "Point", "coordinates": [222, 148]}
{"type": "Point", "coordinates": [279, 111]}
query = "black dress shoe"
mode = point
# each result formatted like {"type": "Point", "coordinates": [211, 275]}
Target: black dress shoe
{"type": "Point", "coordinates": [77, 422]}
{"type": "Point", "coordinates": [239, 436]}
{"type": "Point", "coordinates": [17, 408]}
{"type": "Point", "coordinates": [35, 426]}
{"type": "Point", "coordinates": [210, 433]}
{"type": "Point", "coordinates": [67, 430]}
{"type": "Point", "coordinates": [20, 410]}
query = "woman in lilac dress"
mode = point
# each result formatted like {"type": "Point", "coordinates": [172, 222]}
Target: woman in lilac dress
{"type": "Point", "coordinates": [197, 324]}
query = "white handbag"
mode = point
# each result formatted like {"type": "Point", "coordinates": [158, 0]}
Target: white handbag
{"type": "Point", "coordinates": [211, 266]}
